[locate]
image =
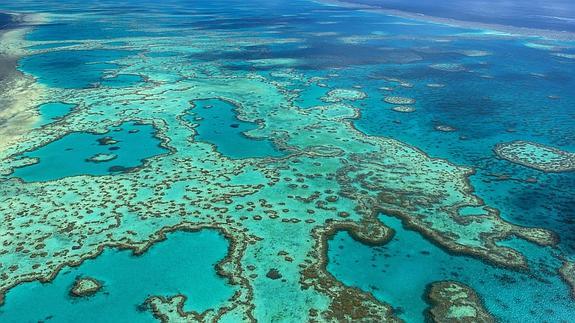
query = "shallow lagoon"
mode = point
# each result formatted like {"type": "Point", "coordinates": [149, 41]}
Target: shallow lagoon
{"type": "Point", "coordinates": [184, 263]}
{"type": "Point", "coordinates": [122, 80]}
{"type": "Point", "coordinates": [121, 149]}
{"type": "Point", "coordinates": [219, 125]}
{"type": "Point", "coordinates": [53, 111]}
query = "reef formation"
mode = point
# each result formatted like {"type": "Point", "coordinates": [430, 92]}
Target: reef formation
{"type": "Point", "coordinates": [277, 211]}
{"type": "Point", "coordinates": [455, 302]}
{"type": "Point", "coordinates": [85, 286]}
{"type": "Point", "coordinates": [537, 156]}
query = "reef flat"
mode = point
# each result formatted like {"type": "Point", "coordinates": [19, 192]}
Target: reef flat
{"type": "Point", "coordinates": [85, 287]}
{"type": "Point", "coordinates": [540, 157]}
{"type": "Point", "coordinates": [454, 302]}
{"type": "Point", "coordinates": [205, 130]}
{"type": "Point", "coordinates": [20, 94]}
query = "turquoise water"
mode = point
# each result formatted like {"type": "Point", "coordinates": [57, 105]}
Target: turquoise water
{"type": "Point", "coordinates": [503, 88]}
{"type": "Point", "coordinates": [122, 80]}
{"type": "Point", "coordinates": [399, 272]}
{"type": "Point", "coordinates": [50, 112]}
{"type": "Point", "coordinates": [69, 155]}
{"type": "Point", "coordinates": [184, 263]}
{"type": "Point", "coordinates": [218, 125]}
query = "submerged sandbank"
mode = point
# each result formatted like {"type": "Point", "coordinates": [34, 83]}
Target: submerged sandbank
{"type": "Point", "coordinates": [21, 94]}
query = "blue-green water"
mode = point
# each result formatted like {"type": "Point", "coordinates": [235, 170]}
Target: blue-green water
{"type": "Point", "coordinates": [70, 155]}
{"type": "Point", "coordinates": [516, 91]}
{"type": "Point", "coordinates": [50, 112]}
{"type": "Point", "coordinates": [184, 263]}
{"type": "Point", "coordinates": [122, 80]}
{"type": "Point", "coordinates": [218, 125]}
{"type": "Point", "coordinates": [399, 272]}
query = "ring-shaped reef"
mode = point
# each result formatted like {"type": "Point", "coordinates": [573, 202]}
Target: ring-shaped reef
{"type": "Point", "coordinates": [122, 148]}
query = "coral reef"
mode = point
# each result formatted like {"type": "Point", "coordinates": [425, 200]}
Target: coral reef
{"type": "Point", "coordinates": [276, 211]}
{"type": "Point", "coordinates": [454, 302]}
{"type": "Point", "coordinates": [85, 286]}
{"type": "Point", "coordinates": [398, 100]}
{"type": "Point", "coordinates": [338, 95]}
{"type": "Point", "coordinates": [537, 156]}
{"type": "Point", "coordinates": [403, 109]}
{"type": "Point", "coordinates": [567, 272]}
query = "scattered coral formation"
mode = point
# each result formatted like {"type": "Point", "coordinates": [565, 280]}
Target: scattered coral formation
{"type": "Point", "coordinates": [444, 128]}
{"type": "Point", "coordinates": [339, 95]}
{"type": "Point", "coordinates": [101, 158]}
{"type": "Point", "coordinates": [398, 100]}
{"type": "Point", "coordinates": [277, 211]}
{"type": "Point", "coordinates": [403, 109]}
{"type": "Point", "coordinates": [455, 302]}
{"type": "Point", "coordinates": [537, 156]}
{"type": "Point", "coordinates": [567, 272]}
{"type": "Point", "coordinates": [475, 53]}
{"type": "Point", "coordinates": [85, 286]}
{"type": "Point", "coordinates": [564, 55]}
{"type": "Point", "coordinates": [448, 67]}
{"type": "Point", "coordinates": [435, 85]}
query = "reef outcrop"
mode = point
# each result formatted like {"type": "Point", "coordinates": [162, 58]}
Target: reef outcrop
{"type": "Point", "coordinates": [453, 302]}
{"type": "Point", "coordinates": [536, 156]}
{"type": "Point", "coordinates": [85, 286]}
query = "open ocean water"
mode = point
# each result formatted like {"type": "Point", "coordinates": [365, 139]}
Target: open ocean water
{"type": "Point", "coordinates": [556, 15]}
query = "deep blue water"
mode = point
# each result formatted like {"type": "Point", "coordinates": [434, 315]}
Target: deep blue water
{"type": "Point", "coordinates": [511, 105]}
{"type": "Point", "coordinates": [5, 20]}
{"type": "Point", "coordinates": [555, 15]}
{"type": "Point", "coordinates": [72, 69]}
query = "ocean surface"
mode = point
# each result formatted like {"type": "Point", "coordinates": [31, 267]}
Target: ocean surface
{"type": "Point", "coordinates": [556, 15]}
{"type": "Point", "coordinates": [251, 117]}
{"type": "Point", "coordinates": [5, 20]}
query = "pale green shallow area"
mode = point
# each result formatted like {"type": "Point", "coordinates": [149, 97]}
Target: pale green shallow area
{"type": "Point", "coordinates": [272, 208]}
{"type": "Point", "coordinates": [537, 156]}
